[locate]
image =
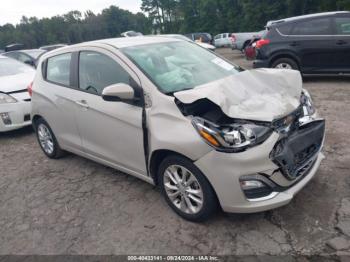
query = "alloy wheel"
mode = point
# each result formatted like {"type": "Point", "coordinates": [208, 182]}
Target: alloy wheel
{"type": "Point", "coordinates": [46, 139]}
{"type": "Point", "coordinates": [283, 66]}
{"type": "Point", "coordinates": [183, 189]}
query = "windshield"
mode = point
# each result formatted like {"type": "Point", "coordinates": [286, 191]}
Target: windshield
{"type": "Point", "coordinates": [10, 66]}
{"type": "Point", "coordinates": [177, 66]}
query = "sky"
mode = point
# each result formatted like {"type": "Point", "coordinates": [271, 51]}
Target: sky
{"type": "Point", "coordinates": [11, 11]}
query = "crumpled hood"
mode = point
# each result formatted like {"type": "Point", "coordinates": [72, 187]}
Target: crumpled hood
{"type": "Point", "coordinates": [16, 82]}
{"type": "Point", "coordinates": [261, 94]}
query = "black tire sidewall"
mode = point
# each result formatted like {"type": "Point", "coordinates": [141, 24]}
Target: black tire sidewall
{"type": "Point", "coordinates": [210, 203]}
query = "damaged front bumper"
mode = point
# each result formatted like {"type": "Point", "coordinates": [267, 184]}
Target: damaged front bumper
{"type": "Point", "coordinates": [285, 163]}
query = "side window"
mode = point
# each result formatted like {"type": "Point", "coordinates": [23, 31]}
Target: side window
{"type": "Point", "coordinates": [58, 69]}
{"type": "Point", "coordinates": [97, 71]}
{"type": "Point", "coordinates": [284, 29]}
{"type": "Point", "coordinates": [342, 25]}
{"type": "Point", "coordinates": [319, 26]}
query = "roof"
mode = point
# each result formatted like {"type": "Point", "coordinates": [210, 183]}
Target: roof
{"type": "Point", "coordinates": [121, 42]}
{"type": "Point", "coordinates": [295, 18]}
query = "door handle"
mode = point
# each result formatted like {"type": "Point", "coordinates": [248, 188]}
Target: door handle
{"type": "Point", "coordinates": [294, 44]}
{"type": "Point", "coordinates": [82, 103]}
{"type": "Point", "coordinates": [341, 42]}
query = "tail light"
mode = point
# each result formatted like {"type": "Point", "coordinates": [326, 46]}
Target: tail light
{"type": "Point", "coordinates": [30, 89]}
{"type": "Point", "coordinates": [262, 42]}
{"type": "Point", "coordinates": [233, 38]}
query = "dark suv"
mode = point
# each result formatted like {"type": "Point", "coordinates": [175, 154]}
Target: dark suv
{"type": "Point", "coordinates": [313, 44]}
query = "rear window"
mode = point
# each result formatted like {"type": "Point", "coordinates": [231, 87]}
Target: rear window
{"type": "Point", "coordinates": [342, 25]}
{"type": "Point", "coordinates": [9, 66]}
{"type": "Point", "coordinates": [58, 69]}
{"type": "Point", "coordinates": [319, 26]}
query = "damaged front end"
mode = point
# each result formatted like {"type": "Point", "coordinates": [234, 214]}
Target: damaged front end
{"type": "Point", "coordinates": [301, 136]}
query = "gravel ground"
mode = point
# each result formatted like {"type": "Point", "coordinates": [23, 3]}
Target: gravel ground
{"type": "Point", "coordinates": [75, 206]}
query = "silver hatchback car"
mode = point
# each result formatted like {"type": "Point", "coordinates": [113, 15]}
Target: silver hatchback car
{"type": "Point", "coordinates": [175, 115]}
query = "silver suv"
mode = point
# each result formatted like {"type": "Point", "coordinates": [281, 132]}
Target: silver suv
{"type": "Point", "coordinates": [175, 115]}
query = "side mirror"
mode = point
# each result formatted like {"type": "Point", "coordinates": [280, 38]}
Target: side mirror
{"type": "Point", "coordinates": [118, 92]}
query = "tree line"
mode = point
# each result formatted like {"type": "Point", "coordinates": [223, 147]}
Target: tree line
{"type": "Point", "coordinates": [161, 16]}
{"type": "Point", "coordinates": [218, 16]}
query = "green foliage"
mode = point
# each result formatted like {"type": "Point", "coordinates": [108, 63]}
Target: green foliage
{"type": "Point", "coordinates": [73, 27]}
{"type": "Point", "coordinates": [215, 16]}
{"type": "Point", "coordinates": [163, 16]}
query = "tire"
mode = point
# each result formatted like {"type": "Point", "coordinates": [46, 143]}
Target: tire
{"type": "Point", "coordinates": [192, 210]}
{"type": "Point", "coordinates": [285, 63]}
{"type": "Point", "coordinates": [47, 140]}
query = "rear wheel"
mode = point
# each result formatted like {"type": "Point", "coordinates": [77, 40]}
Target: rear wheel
{"type": "Point", "coordinates": [186, 189]}
{"type": "Point", "coordinates": [285, 63]}
{"type": "Point", "coordinates": [47, 139]}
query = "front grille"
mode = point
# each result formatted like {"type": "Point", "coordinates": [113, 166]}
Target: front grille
{"type": "Point", "coordinates": [296, 153]}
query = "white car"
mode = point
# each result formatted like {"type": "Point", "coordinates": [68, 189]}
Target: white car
{"type": "Point", "coordinates": [223, 40]}
{"type": "Point", "coordinates": [130, 34]}
{"type": "Point", "coordinates": [15, 106]}
{"type": "Point", "coordinates": [178, 116]}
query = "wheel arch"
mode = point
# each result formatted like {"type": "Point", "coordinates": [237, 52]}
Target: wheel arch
{"type": "Point", "coordinates": [285, 55]}
{"type": "Point", "coordinates": [157, 157]}
{"type": "Point", "coordinates": [35, 118]}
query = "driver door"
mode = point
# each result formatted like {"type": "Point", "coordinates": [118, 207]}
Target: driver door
{"type": "Point", "coordinates": [111, 131]}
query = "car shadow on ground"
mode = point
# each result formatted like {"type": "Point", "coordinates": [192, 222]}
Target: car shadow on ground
{"type": "Point", "coordinates": [17, 133]}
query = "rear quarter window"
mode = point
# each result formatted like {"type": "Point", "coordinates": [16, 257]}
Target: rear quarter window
{"type": "Point", "coordinates": [58, 69]}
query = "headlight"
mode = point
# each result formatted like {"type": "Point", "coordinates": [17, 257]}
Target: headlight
{"type": "Point", "coordinates": [307, 103]}
{"type": "Point", "coordinates": [233, 137]}
{"type": "Point", "coordinates": [5, 99]}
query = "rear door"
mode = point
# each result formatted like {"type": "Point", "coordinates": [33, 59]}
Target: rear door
{"type": "Point", "coordinates": [312, 40]}
{"type": "Point", "coordinates": [342, 42]}
{"type": "Point", "coordinates": [59, 101]}
{"type": "Point", "coordinates": [111, 131]}
{"type": "Point", "coordinates": [227, 39]}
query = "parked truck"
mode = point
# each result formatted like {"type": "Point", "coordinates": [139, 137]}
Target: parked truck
{"type": "Point", "coordinates": [241, 40]}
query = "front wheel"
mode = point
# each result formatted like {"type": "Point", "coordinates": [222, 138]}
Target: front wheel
{"type": "Point", "coordinates": [186, 189]}
{"type": "Point", "coordinates": [285, 63]}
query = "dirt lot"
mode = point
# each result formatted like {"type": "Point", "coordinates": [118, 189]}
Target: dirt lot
{"type": "Point", "coordinates": [75, 206]}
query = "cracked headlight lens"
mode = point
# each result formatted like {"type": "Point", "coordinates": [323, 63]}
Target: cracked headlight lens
{"type": "Point", "coordinates": [307, 103]}
{"type": "Point", "coordinates": [231, 138]}
{"type": "Point", "coordinates": [6, 99]}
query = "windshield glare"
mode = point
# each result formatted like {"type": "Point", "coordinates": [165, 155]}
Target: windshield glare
{"type": "Point", "coordinates": [9, 66]}
{"type": "Point", "coordinates": [177, 66]}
